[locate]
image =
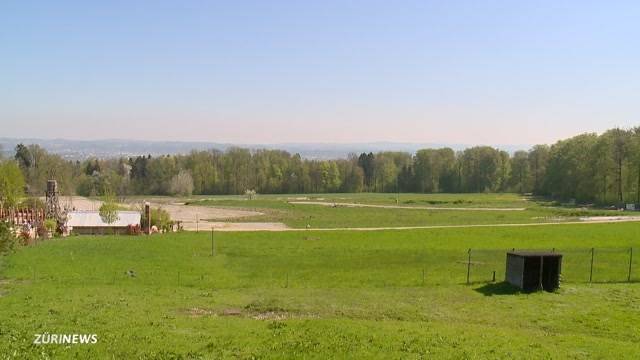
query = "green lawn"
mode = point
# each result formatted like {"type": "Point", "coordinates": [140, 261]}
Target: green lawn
{"type": "Point", "coordinates": [322, 295]}
{"type": "Point", "coordinates": [278, 208]}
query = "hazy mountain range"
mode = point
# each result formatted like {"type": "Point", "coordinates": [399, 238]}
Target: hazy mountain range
{"type": "Point", "coordinates": [109, 148]}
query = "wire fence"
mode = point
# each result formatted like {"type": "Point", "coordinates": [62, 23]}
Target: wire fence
{"type": "Point", "coordinates": [214, 268]}
{"type": "Point", "coordinates": [594, 265]}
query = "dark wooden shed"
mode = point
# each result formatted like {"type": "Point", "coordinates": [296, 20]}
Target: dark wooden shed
{"type": "Point", "coordinates": [531, 271]}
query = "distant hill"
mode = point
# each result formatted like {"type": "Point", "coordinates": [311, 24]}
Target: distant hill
{"type": "Point", "coordinates": [80, 149]}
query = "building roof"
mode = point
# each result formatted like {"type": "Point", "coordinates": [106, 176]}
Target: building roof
{"type": "Point", "coordinates": [534, 253]}
{"type": "Point", "coordinates": [93, 219]}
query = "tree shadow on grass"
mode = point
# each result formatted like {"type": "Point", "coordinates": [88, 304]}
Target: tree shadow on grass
{"type": "Point", "coordinates": [501, 288]}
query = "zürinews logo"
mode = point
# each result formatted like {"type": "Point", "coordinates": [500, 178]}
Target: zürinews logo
{"type": "Point", "coordinates": [65, 339]}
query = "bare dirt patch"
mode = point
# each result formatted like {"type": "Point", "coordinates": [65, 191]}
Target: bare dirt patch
{"type": "Point", "coordinates": [231, 312]}
{"type": "Point", "coordinates": [192, 217]}
{"type": "Point", "coordinates": [199, 217]}
{"type": "Point", "coordinates": [197, 312]}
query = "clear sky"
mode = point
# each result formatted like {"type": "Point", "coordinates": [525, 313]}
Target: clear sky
{"type": "Point", "coordinates": [470, 72]}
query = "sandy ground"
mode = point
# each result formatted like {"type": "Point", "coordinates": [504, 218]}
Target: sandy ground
{"type": "Point", "coordinates": [323, 203]}
{"type": "Point", "coordinates": [193, 218]}
{"type": "Point", "coordinates": [196, 217]}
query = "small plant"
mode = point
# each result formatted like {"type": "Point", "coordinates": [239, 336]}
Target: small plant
{"type": "Point", "coordinates": [8, 240]}
{"type": "Point", "coordinates": [51, 225]}
{"type": "Point", "coordinates": [109, 208]}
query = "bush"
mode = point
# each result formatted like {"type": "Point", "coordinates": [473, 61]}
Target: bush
{"type": "Point", "coordinates": [160, 218]}
{"type": "Point", "coordinates": [50, 225]}
{"type": "Point", "coordinates": [8, 240]}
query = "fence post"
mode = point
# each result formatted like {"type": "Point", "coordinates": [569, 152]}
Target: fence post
{"type": "Point", "coordinates": [591, 271]}
{"type": "Point", "coordinates": [212, 244]}
{"type": "Point", "coordinates": [468, 265]}
{"type": "Point", "coordinates": [630, 262]}
{"type": "Point", "coordinates": [494, 276]}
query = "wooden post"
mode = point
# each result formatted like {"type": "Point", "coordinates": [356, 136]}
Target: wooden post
{"type": "Point", "coordinates": [468, 265]}
{"type": "Point", "coordinates": [591, 271]}
{"type": "Point", "coordinates": [494, 276]}
{"type": "Point", "coordinates": [630, 262]}
{"type": "Point", "coordinates": [212, 243]}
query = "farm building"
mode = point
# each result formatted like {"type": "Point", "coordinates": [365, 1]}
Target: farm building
{"type": "Point", "coordinates": [91, 223]}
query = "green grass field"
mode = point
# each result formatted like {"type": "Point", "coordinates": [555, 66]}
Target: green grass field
{"type": "Point", "coordinates": [278, 208]}
{"type": "Point", "coordinates": [307, 294]}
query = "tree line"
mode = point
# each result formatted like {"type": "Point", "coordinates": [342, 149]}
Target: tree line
{"type": "Point", "coordinates": [603, 169]}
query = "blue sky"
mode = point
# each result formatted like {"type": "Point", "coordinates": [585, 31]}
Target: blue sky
{"type": "Point", "coordinates": [473, 72]}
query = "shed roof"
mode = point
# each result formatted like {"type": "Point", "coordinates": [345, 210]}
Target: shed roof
{"type": "Point", "coordinates": [534, 253]}
{"type": "Point", "coordinates": [93, 219]}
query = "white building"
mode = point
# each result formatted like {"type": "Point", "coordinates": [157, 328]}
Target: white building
{"type": "Point", "coordinates": [90, 222]}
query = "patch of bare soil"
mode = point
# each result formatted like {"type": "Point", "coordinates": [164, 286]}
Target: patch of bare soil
{"type": "Point", "coordinates": [231, 312]}
{"type": "Point", "coordinates": [197, 312]}
{"type": "Point", "coordinates": [192, 217]}
{"type": "Point", "coordinates": [195, 217]}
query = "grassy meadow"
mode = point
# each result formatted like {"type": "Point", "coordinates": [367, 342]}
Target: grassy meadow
{"type": "Point", "coordinates": [383, 294]}
{"type": "Point", "coordinates": [289, 210]}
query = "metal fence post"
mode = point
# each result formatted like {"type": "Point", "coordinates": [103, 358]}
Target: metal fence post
{"type": "Point", "coordinates": [468, 265]}
{"type": "Point", "coordinates": [591, 271]}
{"type": "Point", "coordinates": [630, 262]}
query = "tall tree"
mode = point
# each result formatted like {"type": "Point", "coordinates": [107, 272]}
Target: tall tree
{"type": "Point", "coordinates": [520, 171]}
{"type": "Point", "coordinates": [11, 184]}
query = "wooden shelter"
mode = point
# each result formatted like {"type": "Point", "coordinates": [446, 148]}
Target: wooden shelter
{"type": "Point", "coordinates": [531, 271]}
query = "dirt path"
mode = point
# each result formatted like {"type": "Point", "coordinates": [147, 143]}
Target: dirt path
{"type": "Point", "coordinates": [333, 204]}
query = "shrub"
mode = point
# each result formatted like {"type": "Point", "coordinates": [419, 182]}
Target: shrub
{"type": "Point", "coordinates": [50, 225]}
{"type": "Point", "coordinates": [8, 240]}
{"type": "Point", "coordinates": [160, 218]}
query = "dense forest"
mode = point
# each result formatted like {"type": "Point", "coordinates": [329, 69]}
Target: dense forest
{"type": "Point", "coordinates": [603, 169]}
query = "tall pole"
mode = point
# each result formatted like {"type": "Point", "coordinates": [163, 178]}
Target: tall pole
{"type": "Point", "coordinates": [591, 271]}
{"type": "Point", "coordinates": [468, 266]}
{"type": "Point", "coordinates": [630, 262]}
{"type": "Point", "coordinates": [212, 243]}
{"type": "Point", "coordinates": [397, 190]}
